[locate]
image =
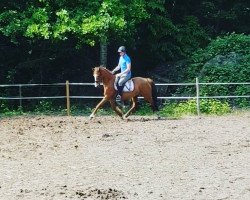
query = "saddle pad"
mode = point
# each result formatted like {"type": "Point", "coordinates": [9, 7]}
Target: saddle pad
{"type": "Point", "coordinates": [129, 86]}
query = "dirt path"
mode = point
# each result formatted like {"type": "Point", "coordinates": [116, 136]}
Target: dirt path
{"type": "Point", "coordinates": [74, 158]}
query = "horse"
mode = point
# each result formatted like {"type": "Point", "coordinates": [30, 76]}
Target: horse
{"type": "Point", "coordinates": [142, 87]}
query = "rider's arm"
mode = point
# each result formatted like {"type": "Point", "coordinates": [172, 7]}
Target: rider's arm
{"type": "Point", "coordinates": [116, 69]}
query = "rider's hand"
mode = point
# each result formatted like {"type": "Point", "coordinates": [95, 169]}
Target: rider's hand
{"type": "Point", "coordinates": [113, 72]}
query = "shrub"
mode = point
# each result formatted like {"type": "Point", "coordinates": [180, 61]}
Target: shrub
{"type": "Point", "coordinates": [6, 111]}
{"type": "Point", "coordinates": [207, 106]}
{"type": "Point", "coordinates": [226, 59]}
{"type": "Point", "coordinates": [144, 109]}
{"type": "Point", "coordinates": [44, 107]}
{"type": "Point", "coordinates": [213, 106]}
{"type": "Point", "coordinates": [3, 106]}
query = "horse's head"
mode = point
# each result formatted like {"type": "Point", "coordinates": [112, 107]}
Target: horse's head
{"type": "Point", "coordinates": [101, 75]}
{"type": "Point", "coordinates": [97, 76]}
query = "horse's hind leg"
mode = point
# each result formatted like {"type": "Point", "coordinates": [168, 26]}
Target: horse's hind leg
{"type": "Point", "coordinates": [150, 100]}
{"type": "Point", "coordinates": [133, 108]}
{"type": "Point", "coordinates": [116, 108]}
{"type": "Point", "coordinates": [150, 95]}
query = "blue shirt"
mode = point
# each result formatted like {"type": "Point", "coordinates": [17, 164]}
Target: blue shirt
{"type": "Point", "coordinates": [123, 61]}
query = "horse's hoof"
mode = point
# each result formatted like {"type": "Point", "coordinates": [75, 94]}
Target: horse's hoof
{"type": "Point", "coordinates": [91, 116]}
{"type": "Point", "coordinates": [124, 117]}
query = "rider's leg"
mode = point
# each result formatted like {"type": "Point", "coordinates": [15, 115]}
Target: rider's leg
{"type": "Point", "coordinates": [119, 88]}
{"type": "Point", "coordinates": [121, 82]}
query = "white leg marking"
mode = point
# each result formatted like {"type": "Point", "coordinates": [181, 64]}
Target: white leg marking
{"type": "Point", "coordinates": [95, 81]}
{"type": "Point", "coordinates": [91, 116]}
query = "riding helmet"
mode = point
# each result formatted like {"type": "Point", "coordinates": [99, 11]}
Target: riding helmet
{"type": "Point", "coordinates": [122, 49]}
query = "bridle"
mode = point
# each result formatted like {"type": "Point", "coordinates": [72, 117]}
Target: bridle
{"type": "Point", "coordinates": [98, 75]}
{"type": "Point", "coordinates": [98, 80]}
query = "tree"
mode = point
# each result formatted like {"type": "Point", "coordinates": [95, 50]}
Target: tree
{"type": "Point", "coordinates": [225, 59]}
{"type": "Point", "coordinates": [156, 31]}
{"type": "Point", "coordinates": [91, 22]}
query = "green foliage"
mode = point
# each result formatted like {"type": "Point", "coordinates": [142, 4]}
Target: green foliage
{"type": "Point", "coordinates": [144, 110]}
{"type": "Point", "coordinates": [226, 16]}
{"type": "Point", "coordinates": [105, 111]}
{"type": "Point", "coordinates": [243, 90]}
{"type": "Point", "coordinates": [224, 60]}
{"type": "Point", "coordinates": [157, 35]}
{"type": "Point", "coordinates": [37, 24]}
{"type": "Point", "coordinates": [172, 110]}
{"type": "Point", "coordinates": [11, 24]}
{"type": "Point", "coordinates": [89, 21]}
{"type": "Point", "coordinates": [6, 111]}
{"type": "Point", "coordinates": [207, 106]}
{"type": "Point", "coordinates": [215, 107]}
{"type": "Point", "coordinates": [76, 110]}
{"type": "Point", "coordinates": [169, 110]}
{"type": "Point", "coordinates": [11, 113]}
{"type": "Point", "coordinates": [236, 43]}
{"type": "Point", "coordinates": [44, 107]}
{"type": "Point", "coordinates": [191, 35]}
{"type": "Point", "coordinates": [156, 32]}
{"type": "Point", "coordinates": [3, 106]}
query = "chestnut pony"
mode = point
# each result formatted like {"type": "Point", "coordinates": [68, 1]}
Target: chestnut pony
{"type": "Point", "coordinates": [142, 87]}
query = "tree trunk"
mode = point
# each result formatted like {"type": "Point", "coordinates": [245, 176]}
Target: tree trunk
{"type": "Point", "coordinates": [103, 52]}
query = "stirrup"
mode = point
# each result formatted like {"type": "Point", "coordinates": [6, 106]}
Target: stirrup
{"type": "Point", "coordinates": [118, 97]}
{"type": "Point", "coordinates": [119, 101]}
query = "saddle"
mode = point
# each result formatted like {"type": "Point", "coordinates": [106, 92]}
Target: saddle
{"type": "Point", "coordinates": [127, 87]}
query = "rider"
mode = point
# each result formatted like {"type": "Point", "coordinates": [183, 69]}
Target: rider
{"type": "Point", "coordinates": [125, 66]}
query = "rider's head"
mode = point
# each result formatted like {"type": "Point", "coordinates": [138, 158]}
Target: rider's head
{"type": "Point", "coordinates": [122, 49]}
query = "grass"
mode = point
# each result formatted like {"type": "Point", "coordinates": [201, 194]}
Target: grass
{"type": "Point", "coordinates": [170, 111]}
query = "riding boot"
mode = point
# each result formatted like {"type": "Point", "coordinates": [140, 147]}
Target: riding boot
{"type": "Point", "coordinates": [120, 88]}
{"type": "Point", "coordinates": [119, 95]}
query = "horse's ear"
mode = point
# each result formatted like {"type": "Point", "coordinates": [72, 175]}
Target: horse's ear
{"type": "Point", "coordinates": [103, 66]}
{"type": "Point", "coordinates": [97, 69]}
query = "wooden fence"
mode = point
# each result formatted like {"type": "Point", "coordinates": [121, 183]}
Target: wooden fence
{"type": "Point", "coordinates": [67, 95]}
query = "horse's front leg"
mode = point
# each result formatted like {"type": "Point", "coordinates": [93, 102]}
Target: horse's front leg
{"type": "Point", "coordinates": [97, 107]}
{"type": "Point", "coordinates": [115, 107]}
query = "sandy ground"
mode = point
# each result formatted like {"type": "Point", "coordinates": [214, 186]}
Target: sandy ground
{"type": "Point", "coordinates": [107, 158]}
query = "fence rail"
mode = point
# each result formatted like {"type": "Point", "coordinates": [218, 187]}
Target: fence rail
{"type": "Point", "coordinates": [67, 96]}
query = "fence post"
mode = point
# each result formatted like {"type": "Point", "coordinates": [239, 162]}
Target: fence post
{"type": "Point", "coordinates": [20, 96]}
{"type": "Point", "coordinates": [197, 97]}
{"type": "Point", "coordinates": [67, 98]}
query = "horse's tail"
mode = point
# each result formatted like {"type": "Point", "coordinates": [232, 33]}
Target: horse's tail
{"type": "Point", "coordinates": [154, 94]}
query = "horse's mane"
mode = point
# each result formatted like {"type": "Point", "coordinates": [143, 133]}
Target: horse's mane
{"type": "Point", "coordinates": [104, 68]}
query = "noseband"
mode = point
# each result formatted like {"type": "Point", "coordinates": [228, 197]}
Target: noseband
{"type": "Point", "coordinates": [98, 80]}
